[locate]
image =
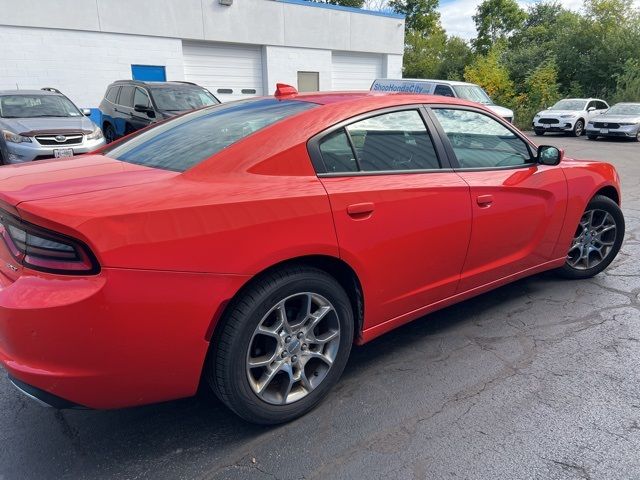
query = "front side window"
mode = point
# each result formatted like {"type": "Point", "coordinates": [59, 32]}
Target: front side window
{"type": "Point", "coordinates": [443, 90]}
{"type": "Point", "coordinates": [396, 141]}
{"type": "Point", "coordinates": [479, 141]}
{"type": "Point", "coordinates": [141, 98]}
{"type": "Point", "coordinates": [187, 140]}
{"type": "Point", "coordinates": [180, 99]}
{"type": "Point", "coordinates": [34, 106]}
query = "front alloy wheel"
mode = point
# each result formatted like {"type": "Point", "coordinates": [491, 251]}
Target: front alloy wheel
{"type": "Point", "coordinates": [597, 240]}
{"type": "Point", "coordinates": [281, 345]}
{"type": "Point", "coordinates": [578, 128]}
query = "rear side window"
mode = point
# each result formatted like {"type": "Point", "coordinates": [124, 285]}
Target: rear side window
{"type": "Point", "coordinates": [479, 141]}
{"type": "Point", "coordinates": [394, 141]}
{"type": "Point", "coordinates": [126, 96]}
{"type": "Point", "coordinates": [112, 94]}
{"type": "Point", "coordinates": [181, 143]}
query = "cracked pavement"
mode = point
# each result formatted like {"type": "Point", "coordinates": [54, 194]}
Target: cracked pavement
{"type": "Point", "coordinates": [535, 380]}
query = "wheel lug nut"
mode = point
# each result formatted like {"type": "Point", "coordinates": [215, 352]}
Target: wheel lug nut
{"type": "Point", "coordinates": [288, 339]}
{"type": "Point", "coordinates": [283, 354]}
{"type": "Point", "coordinates": [300, 334]}
{"type": "Point", "coordinates": [294, 358]}
{"type": "Point", "coordinates": [304, 346]}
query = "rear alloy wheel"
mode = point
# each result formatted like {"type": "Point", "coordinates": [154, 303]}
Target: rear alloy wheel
{"type": "Point", "coordinates": [578, 128]}
{"type": "Point", "coordinates": [109, 133]}
{"type": "Point", "coordinates": [597, 240]}
{"type": "Point", "coordinates": [282, 345]}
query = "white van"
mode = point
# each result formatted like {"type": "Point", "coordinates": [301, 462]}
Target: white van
{"type": "Point", "coordinates": [447, 88]}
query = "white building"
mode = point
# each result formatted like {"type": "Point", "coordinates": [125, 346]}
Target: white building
{"type": "Point", "coordinates": [236, 51]}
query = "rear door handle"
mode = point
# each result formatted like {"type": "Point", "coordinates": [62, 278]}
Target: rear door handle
{"type": "Point", "coordinates": [360, 210]}
{"type": "Point", "coordinates": [484, 200]}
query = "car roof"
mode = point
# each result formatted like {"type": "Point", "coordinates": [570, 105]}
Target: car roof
{"type": "Point", "coordinates": [28, 92]}
{"type": "Point", "coordinates": [431, 80]}
{"type": "Point", "coordinates": [375, 99]}
{"type": "Point", "coordinates": [156, 84]}
{"type": "Point", "coordinates": [628, 103]}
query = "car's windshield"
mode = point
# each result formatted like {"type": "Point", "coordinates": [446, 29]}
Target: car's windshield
{"type": "Point", "coordinates": [181, 98]}
{"type": "Point", "coordinates": [31, 106]}
{"type": "Point", "coordinates": [569, 105]}
{"type": "Point", "coordinates": [473, 93]}
{"type": "Point", "coordinates": [624, 109]}
{"type": "Point", "coordinates": [187, 140]}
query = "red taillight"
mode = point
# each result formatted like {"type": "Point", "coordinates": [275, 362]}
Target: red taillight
{"type": "Point", "coordinates": [44, 250]}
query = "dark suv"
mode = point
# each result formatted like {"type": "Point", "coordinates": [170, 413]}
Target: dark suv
{"type": "Point", "coordinates": [129, 105]}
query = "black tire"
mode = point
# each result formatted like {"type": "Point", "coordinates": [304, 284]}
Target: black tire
{"type": "Point", "coordinates": [538, 132]}
{"type": "Point", "coordinates": [599, 202]}
{"type": "Point", "coordinates": [592, 137]}
{"type": "Point", "coordinates": [638, 136]}
{"type": "Point", "coordinates": [109, 133]}
{"type": "Point", "coordinates": [226, 364]}
{"type": "Point", "coordinates": [578, 128]}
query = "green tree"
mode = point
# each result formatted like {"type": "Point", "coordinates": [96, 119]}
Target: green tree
{"type": "Point", "coordinates": [628, 82]}
{"type": "Point", "coordinates": [490, 73]}
{"type": "Point", "coordinates": [421, 16]}
{"type": "Point", "coordinates": [495, 21]}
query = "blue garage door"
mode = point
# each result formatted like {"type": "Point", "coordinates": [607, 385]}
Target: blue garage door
{"type": "Point", "coordinates": [148, 73]}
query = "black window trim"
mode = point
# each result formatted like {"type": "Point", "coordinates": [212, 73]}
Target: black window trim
{"type": "Point", "coordinates": [313, 144]}
{"type": "Point", "coordinates": [453, 159]}
{"type": "Point", "coordinates": [117, 88]}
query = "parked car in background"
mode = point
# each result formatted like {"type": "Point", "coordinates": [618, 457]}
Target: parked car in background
{"type": "Point", "coordinates": [295, 226]}
{"type": "Point", "coordinates": [40, 124]}
{"type": "Point", "coordinates": [621, 120]}
{"type": "Point", "coordinates": [129, 105]}
{"type": "Point", "coordinates": [568, 116]}
{"type": "Point", "coordinates": [445, 88]}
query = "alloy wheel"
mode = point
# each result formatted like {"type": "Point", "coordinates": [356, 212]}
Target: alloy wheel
{"type": "Point", "coordinates": [593, 241]}
{"type": "Point", "coordinates": [293, 348]}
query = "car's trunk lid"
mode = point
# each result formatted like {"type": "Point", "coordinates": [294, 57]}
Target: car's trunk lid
{"type": "Point", "coordinates": [57, 178]}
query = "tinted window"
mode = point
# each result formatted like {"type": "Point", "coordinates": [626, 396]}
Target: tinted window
{"type": "Point", "coordinates": [443, 90]}
{"type": "Point", "coordinates": [337, 154]}
{"type": "Point", "coordinates": [393, 141]}
{"type": "Point", "coordinates": [592, 104]}
{"type": "Point", "coordinates": [479, 141]}
{"type": "Point", "coordinates": [601, 105]}
{"type": "Point", "coordinates": [179, 99]}
{"type": "Point", "coordinates": [112, 94]}
{"type": "Point", "coordinates": [141, 98]}
{"type": "Point", "coordinates": [126, 96]}
{"type": "Point", "coordinates": [189, 139]}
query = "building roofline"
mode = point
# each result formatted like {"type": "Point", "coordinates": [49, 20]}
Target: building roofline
{"type": "Point", "coordinates": [308, 3]}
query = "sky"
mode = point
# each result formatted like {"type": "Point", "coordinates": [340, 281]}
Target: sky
{"type": "Point", "coordinates": [456, 14]}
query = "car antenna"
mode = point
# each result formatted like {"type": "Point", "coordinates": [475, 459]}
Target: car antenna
{"type": "Point", "coordinates": [284, 90]}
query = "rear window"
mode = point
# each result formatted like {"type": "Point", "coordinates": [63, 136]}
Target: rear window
{"type": "Point", "coordinates": [181, 143]}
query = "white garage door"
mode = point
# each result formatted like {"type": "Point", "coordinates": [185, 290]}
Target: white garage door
{"type": "Point", "coordinates": [228, 71]}
{"type": "Point", "coordinates": [355, 71]}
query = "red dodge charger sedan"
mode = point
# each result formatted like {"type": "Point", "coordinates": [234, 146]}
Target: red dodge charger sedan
{"type": "Point", "coordinates": [248, 245]}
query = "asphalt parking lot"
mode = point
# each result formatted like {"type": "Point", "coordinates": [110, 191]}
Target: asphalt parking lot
{"type": "Point", "coordinates": [538, 379]}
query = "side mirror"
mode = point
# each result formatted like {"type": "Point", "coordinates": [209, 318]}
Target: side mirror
{"type": "Point", "coordinates": [549, 155]}
{"type": "Point", "coordinates": [86, 112]}
{"type": "Point", "coordinates": [591, 109]}
{"type": "Point", "coordinates": [143, 109]}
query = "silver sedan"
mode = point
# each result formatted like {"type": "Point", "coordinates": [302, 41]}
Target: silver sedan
{"type": "Point", "coordinates": [621, 120]}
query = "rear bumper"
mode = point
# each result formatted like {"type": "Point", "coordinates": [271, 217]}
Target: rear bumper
{"type": "Point", "coordinates": [117, 339]}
